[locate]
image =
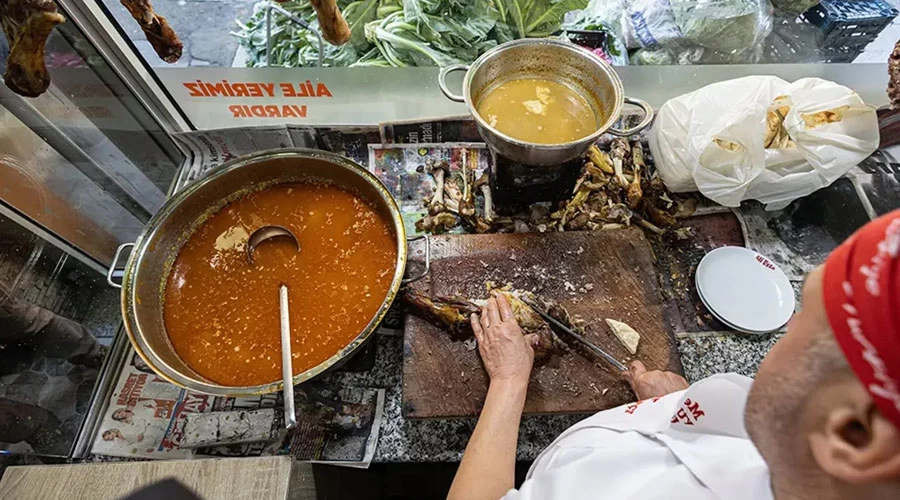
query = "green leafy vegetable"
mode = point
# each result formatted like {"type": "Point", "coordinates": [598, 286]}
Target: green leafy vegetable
{"type": "Point", "coordinates": [723, 25]}
{"type": "Point", "coordinates": [402, 32]}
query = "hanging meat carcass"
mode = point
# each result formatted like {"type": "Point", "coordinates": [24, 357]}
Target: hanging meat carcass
{"type": "Point", "coordinates": [160, 35]}
{"type": "Point", "coordinates": [27, 24]}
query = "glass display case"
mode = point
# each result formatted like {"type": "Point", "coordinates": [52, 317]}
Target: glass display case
{"type": "Point", "coordinates": [83, 166]}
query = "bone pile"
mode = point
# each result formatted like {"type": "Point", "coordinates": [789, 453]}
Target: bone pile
{"type": "Point", "coordinates": [453, 201]}
{"type": "Point", "coordinates": [615, 190]}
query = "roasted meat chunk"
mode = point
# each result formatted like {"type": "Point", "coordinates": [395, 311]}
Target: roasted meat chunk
{"type": "Point", "coordinates": [160, 35]}
{"type": "Point", "coordinates": [453, 314]}
{"type": "Point", "coordinates": [27, 24]}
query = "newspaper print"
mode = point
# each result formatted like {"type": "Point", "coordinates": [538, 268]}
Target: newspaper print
{"type": "Point", "coordinates": [879, 178]}
{"type": "Point", "coordinates": [214, 147]}
{"type": "Point", "coordinates": [146, 418]}
{"type": "Point", "coordinates": [142, 413]}
{"type": "Point", "coordinates": [450, 129]}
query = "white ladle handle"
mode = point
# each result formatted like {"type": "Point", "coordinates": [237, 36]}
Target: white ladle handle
{"type": "Point", "coordinates": [287, 371]}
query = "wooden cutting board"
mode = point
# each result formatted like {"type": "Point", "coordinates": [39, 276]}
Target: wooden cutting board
{"type": "Point", "coordinates": [595, 275]}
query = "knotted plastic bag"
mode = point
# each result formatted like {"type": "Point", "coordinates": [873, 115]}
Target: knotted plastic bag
{"type": "Point", "coordinates": [762, 138]}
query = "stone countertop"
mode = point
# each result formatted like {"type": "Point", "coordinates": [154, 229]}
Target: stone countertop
{"type": "Point", "coordinates": [797, 238]}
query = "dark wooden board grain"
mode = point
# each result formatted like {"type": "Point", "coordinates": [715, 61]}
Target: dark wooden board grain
{"type": "Point", "coordinates": [595, 275]}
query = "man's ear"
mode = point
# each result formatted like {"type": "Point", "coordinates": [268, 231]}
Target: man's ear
{"type": "Point", "coordinates": [854, 442]}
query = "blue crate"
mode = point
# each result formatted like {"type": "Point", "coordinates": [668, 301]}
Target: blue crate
{"type": "Point", "coordinates": [850, 24]}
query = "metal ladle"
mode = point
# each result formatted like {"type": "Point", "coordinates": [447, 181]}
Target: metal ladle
{"type": "Point", "coordinates": [262, 234]}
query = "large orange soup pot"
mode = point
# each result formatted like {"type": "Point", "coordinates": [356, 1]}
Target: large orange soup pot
{"type": "Point", "coordinates": [147, 269]}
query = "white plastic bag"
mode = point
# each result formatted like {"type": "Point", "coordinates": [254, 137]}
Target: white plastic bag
{"type": "Point", "coordinates": [712, 139]}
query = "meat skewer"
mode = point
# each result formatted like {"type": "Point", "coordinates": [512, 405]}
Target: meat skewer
{"type": "Point", "coordinates": [27, 24]}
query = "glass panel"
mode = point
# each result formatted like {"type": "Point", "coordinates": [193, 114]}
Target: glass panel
{"type": "Point", "coordinates": [56, 318]}
{"type": "Point", "coordinates": [82, 168]}
{"type": "Point", "coordinates": [84, 159]}
{"type": "Point", "coordinates": [42, 185]}
{"type": "Point", "coordinates": [394, 33]}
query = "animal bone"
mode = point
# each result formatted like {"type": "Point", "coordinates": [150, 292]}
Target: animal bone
{"type": "Point", "coordinates": [484, 184]}
{"type": "Point", "coordinates": [438, 223]}
{"type": "Point", "coordinates": [452, 194]}
{"type": "Point", "coordinates": [600, 159]}
{"type": "Point", "coordinates": [633, 193]}
{"type": "Point", "coordinates": [437, 170]}
{"type": "Point", "coordinates": [467, 205]}
{"type": "Point", "coordinates": [616, 213]}
{"type": "Point", "coordinates": [453, 313]}
{"type": "Point", "coordinates": [647, 224]}
{"type": "Point", "coordinates": [619, 151]}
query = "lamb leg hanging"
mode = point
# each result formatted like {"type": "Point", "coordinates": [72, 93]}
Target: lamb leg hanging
{"type": "Point", "coordinates": [27, 24]}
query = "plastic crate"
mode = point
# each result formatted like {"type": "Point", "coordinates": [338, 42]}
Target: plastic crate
{"type": "Point", "coordinates": [795, 40]}
{"type": "Point", "coordinates": [849, 25]}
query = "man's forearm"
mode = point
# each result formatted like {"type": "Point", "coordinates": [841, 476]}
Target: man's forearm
{"type": "Point", "coordinates": [487, 470]}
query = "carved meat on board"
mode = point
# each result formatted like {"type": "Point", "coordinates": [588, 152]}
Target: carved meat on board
{"type": "Point", "coordinates": [453, 313]}
{"type": "Point", "coordinates": [595, 275]}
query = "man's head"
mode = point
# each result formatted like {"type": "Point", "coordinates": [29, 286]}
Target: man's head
{"type": "Point", "coordinates": [814, 421]}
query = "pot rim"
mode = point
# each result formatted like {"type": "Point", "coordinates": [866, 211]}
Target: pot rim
{"type": "Point", "coordinates": [618, 89]}
{"type": "Point", "coordinates": [129, 298]}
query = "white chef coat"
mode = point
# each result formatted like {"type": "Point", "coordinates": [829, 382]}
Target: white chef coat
{"type": "Point", "coordinates": [689, 444]}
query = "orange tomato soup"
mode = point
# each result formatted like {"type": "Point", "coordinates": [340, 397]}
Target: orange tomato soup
{"type": "Point", "coordinates": [221, 312]}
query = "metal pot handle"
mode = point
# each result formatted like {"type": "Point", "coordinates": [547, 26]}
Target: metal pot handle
{"type": "Point", "coordinates": [442, 81]}
{"type": "Point", "coordinates": [427, 269]}
{"type": "Point", "coordinates": [648, 117]}
{"type": "Point", "coordinates": [112, 267]}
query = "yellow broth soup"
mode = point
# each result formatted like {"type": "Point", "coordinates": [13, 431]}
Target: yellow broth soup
{"type": "Point", "coordinates": [538, 110]}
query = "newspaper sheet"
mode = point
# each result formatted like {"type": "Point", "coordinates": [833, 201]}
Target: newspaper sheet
{"type": "Point", "coordinates": [211, 148]}
{"type": "Point", "coordinates": [146, 418]}
{"type": "Point", "coordinates": [450, 129]}
{"type": "Point", "coordinates": [401, 167]}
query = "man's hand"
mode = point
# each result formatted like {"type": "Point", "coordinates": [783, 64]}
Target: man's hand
{"type": "Point", "coordinates": [507, 354]}
{"type": "Point", "coordinates": [652, 384]}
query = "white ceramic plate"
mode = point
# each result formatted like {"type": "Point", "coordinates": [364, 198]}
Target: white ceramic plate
{"type": "Point", "coordinates": [745, 289]}
{"type": "Point", "coordinates": [721, 319]}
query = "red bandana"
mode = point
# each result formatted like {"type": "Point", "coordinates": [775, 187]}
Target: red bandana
{"type": "Point", "coordinates": [862, 300]}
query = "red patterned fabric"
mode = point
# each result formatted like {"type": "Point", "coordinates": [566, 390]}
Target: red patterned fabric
{"type": "Point", "coordinates": [862, 300]}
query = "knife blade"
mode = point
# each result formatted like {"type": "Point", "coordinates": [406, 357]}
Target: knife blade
{"type": "Point", "coordinates": [590, 345]}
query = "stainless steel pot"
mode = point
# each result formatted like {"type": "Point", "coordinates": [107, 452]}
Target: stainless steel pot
{"type": "Point", "coordinates": [565, 63]}
{"type": "Point", "coordinates": [157, 246]}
